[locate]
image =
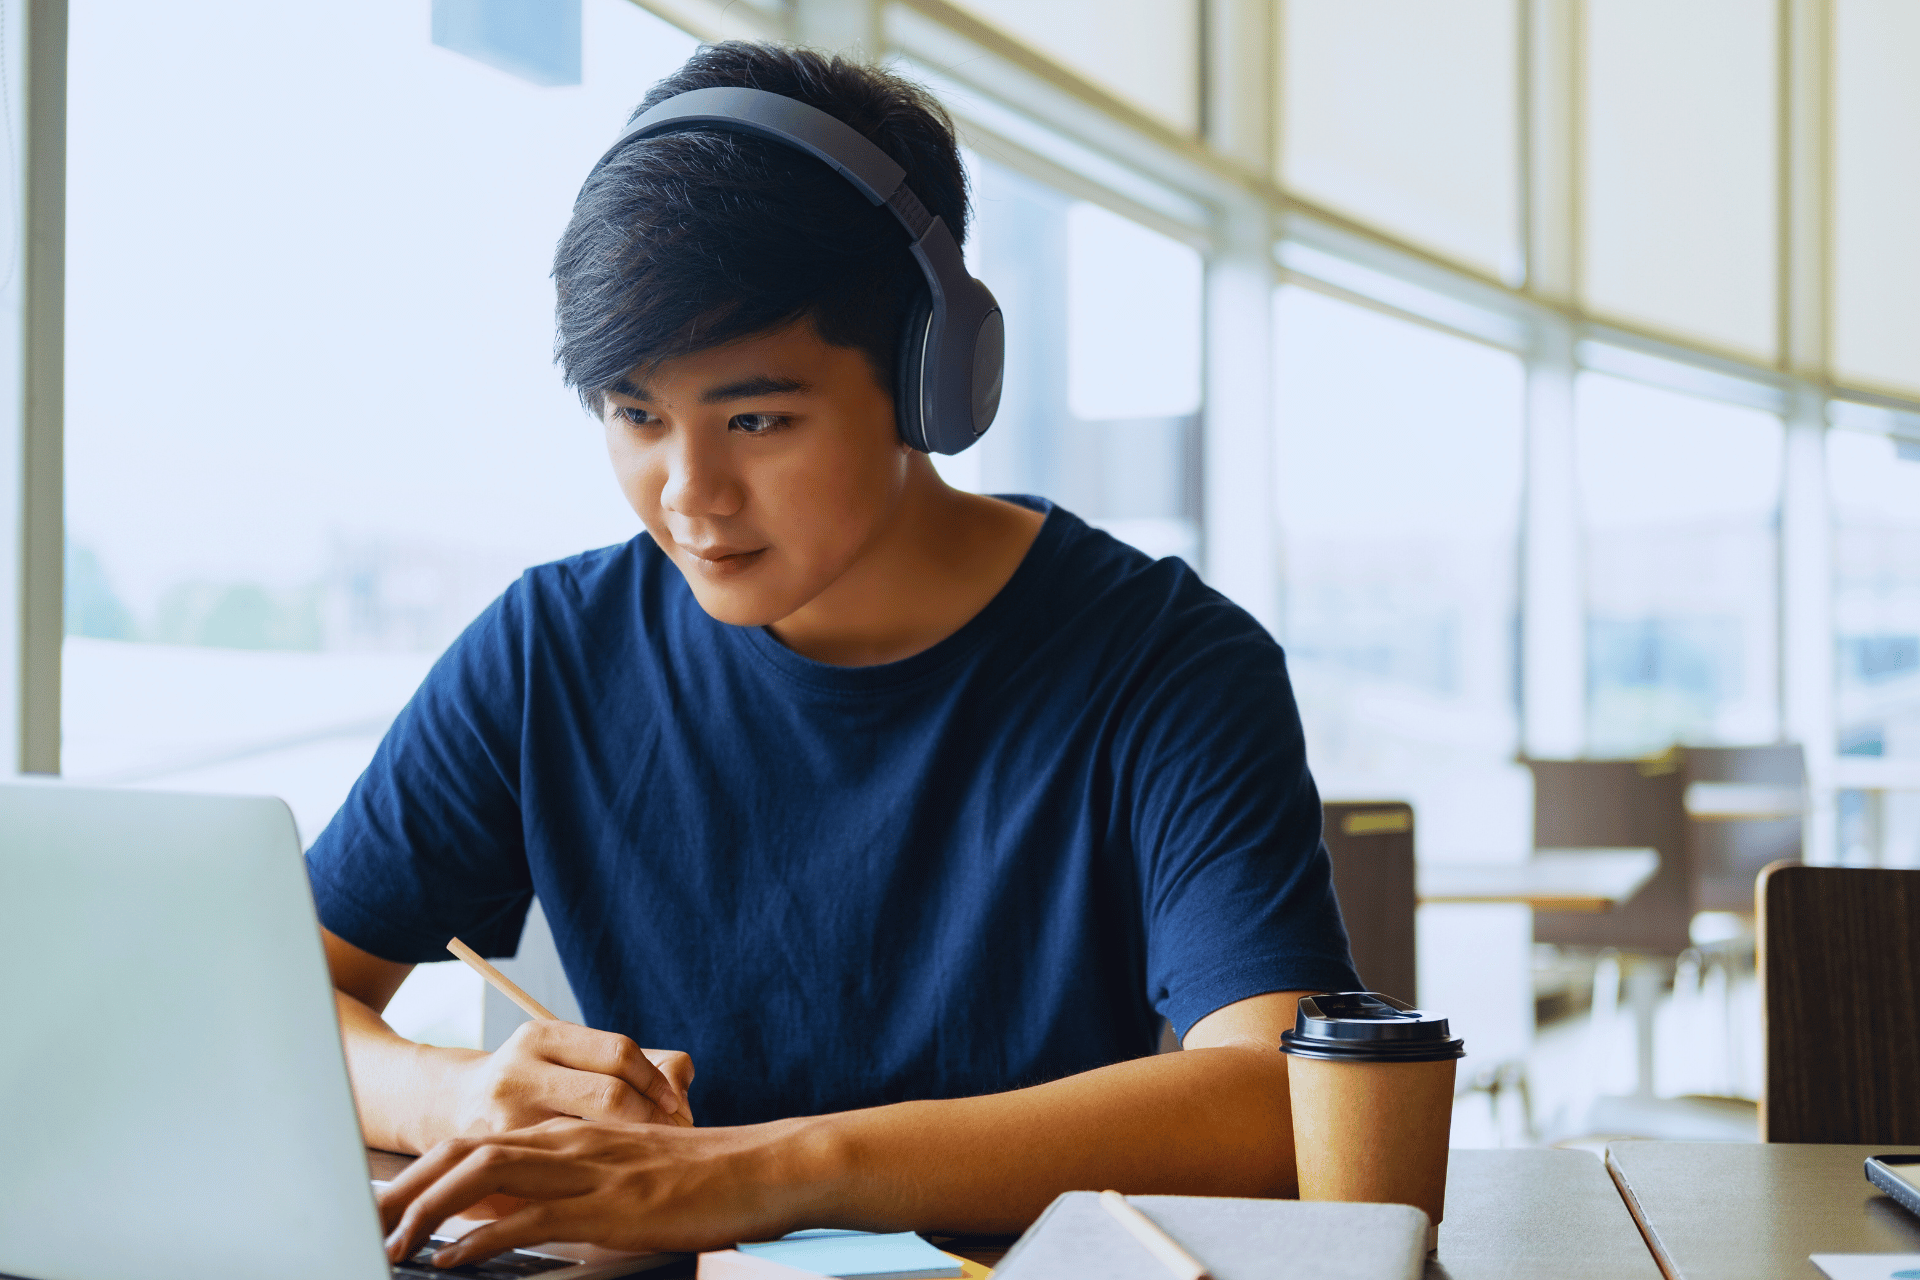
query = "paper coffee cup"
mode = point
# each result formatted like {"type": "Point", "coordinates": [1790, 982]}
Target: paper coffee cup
{"type": "Point", "coordinates": [1372, 1086]}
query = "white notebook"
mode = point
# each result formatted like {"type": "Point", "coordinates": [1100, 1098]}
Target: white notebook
{"type": "Point", "coordinates": [1235, 1239]}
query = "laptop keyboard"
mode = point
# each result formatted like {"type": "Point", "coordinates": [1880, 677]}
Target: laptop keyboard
{"type": "Point", "coordinates": [511, 1265]}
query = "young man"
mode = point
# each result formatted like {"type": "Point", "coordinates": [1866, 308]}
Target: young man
{"type": "Point", "coordinates": [900, 812]}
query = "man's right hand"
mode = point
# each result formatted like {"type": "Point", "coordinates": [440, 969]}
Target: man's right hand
{"type": "Point", "coordinates": [414, 1096]}
{"type": "Point", "coordinates": [548, 1070]}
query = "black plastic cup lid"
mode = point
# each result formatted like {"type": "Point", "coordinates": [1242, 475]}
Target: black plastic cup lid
{"type": "Point", "coordinates": [1365, 1026]}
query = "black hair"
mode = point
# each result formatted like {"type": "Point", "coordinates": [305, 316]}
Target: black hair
{"type": "Point", "coordinates": [694, 239]}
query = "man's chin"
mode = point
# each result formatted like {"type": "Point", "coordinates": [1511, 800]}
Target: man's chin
{"type": "Point", "coordinates": [741, 605]}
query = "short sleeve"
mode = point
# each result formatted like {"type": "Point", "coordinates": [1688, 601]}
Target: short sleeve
{"type": "Point", "coordinates": [1236, 886]}
{"type": "Point", "coordinates": [429, 843]}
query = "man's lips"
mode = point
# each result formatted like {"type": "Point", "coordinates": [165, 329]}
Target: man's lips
{"type": "Point", "coordinates": [717, 550]}
{"type": "Point", "coordinates": [718, 560]}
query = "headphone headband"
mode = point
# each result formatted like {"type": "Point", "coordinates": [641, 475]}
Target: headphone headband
{"type": "Point", "coordinates": [952, 357]}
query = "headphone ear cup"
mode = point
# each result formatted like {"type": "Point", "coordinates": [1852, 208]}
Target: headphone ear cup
{"type": "Point", "coordinates": [910, 374]}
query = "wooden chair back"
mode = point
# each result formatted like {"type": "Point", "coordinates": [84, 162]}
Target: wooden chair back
{"type": "Point", "coordinates": [1618, 804]}
{"type": "Point", "coordinates": [1839, 958]}
{"type": "Point", "coordinates": [1371, 843]}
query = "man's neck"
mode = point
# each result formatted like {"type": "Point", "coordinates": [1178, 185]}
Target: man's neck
{"type": "Point", "coordinates": [938, 562]}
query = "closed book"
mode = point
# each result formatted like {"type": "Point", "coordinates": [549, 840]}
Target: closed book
{"type": "Point", "coordinates": [1076, 1239]}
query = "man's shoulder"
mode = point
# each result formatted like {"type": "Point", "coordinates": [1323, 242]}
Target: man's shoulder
{"type": "Point", "coordinates": [1098, 579]}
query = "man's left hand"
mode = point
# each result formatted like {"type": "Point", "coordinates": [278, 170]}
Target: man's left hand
{"type": "Point", "coordinates": [639, 1187]}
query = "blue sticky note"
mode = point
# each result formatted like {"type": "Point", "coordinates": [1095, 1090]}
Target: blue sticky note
{"type": "Point", "coordinates": [898, 1256]}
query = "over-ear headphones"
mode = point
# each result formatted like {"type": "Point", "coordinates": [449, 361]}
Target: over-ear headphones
{"type": "Point", "coordinates": [953, 350]}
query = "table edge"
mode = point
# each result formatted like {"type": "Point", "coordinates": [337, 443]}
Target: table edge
{"type": "Point", "coordinates": [1648, 1235]}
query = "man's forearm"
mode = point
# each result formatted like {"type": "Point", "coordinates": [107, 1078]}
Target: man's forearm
{"type": "Point", "coordinates": [395, 1081]}
{"type": "Point", "coordinates": [1211, 1121]}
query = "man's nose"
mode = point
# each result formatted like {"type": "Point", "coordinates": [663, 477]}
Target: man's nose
{"type": "Point", "coordinates": [700, 478]}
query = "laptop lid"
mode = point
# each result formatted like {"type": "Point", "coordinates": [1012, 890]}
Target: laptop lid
{"type": "Point", "coordinates": [173, 1097]}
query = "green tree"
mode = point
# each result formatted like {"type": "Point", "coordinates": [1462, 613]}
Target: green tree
{"type": "Point", "coordinates": [93, 608]}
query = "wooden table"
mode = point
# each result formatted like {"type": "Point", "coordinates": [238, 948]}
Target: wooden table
{"type": "Point", "coordinates": [1511, 1215]}
{"type": "Point", "coordinates": [1755, 1211]}
{"type": "Point", "coordinates": [1551, 880]}
{"type": "Point", "coordinates": [1525, 1214]}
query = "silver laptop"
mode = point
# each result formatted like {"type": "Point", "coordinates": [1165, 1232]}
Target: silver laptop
{"type": "Point", "coordinates": [173, 1097]}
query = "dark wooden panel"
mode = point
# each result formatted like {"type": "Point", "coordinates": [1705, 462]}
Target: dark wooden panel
{"type": "Point", "coordinates": [1601, 804]}
{"type": "Point", "coordinates": [1840, 979]}
{"type": "Point", "coordinates": [1371, 843]}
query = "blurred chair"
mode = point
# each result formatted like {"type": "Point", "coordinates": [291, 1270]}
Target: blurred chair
{"type": "Point", "coordinates": [1717, 815]}
{"type": "Point", "coordinates": [1839, 955]}
{"type": "Point", "coordinates": [1612, 803]}
{"type": "Point", "coordinates": [1595, 804]}
{"type": "Point", "coordinates": [1371, 843]}
{"type": "Point", "coordinates": [1744, 812]}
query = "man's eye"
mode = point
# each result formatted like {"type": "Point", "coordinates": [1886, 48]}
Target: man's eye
{"type": "Point", "coordinates": [632, 417]}
{"type": "Point", "coordinates": [757, 424]}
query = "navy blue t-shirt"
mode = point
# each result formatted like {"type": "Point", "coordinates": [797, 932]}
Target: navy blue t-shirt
{"type": "Point", "coordinates": [981, 867]}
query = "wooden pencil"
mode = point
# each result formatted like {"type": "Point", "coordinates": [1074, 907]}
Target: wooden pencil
{"type": "Point", "coordinates": [499, 981]}
{"type": "Point", "coordinates": [534, 1009]}
{"type": "Point", "coordinates": [1161, 1245]}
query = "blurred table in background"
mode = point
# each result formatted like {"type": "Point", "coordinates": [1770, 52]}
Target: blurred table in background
{"type": "Point", "coordinates": [1551, 880]}
{"type": "Point", "coordinates": [1587, 881]}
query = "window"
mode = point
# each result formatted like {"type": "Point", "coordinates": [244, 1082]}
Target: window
{"type": "Point", "coordinates": [1876, 257]}
{"type": "Point", "coordinates": [1405, 115]}
{"type": "Point", "coordinates": [1680, 498]}
{"type": "Point", "coordinates": [1875, 483]}
{"type": "Point", "coordinates": [1102, 394]}
{"type": "Point", "coordinates": [1144, 52]}
{"type": "Point", "coordinates": [313, 426]}
{"type": "Point", "coordinates": [1681, 170]}
{"type": "Point", "coordinates": [1398, 503]}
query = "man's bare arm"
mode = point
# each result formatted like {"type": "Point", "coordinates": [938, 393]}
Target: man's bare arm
{"type": "Point", "coordinates": [412, 1096]}
{"type": "Point", "coordinates": [1213, 1120]}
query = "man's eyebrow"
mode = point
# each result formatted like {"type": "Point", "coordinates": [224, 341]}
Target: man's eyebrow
{"type": "Point", "coordinates": [757, 385]}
